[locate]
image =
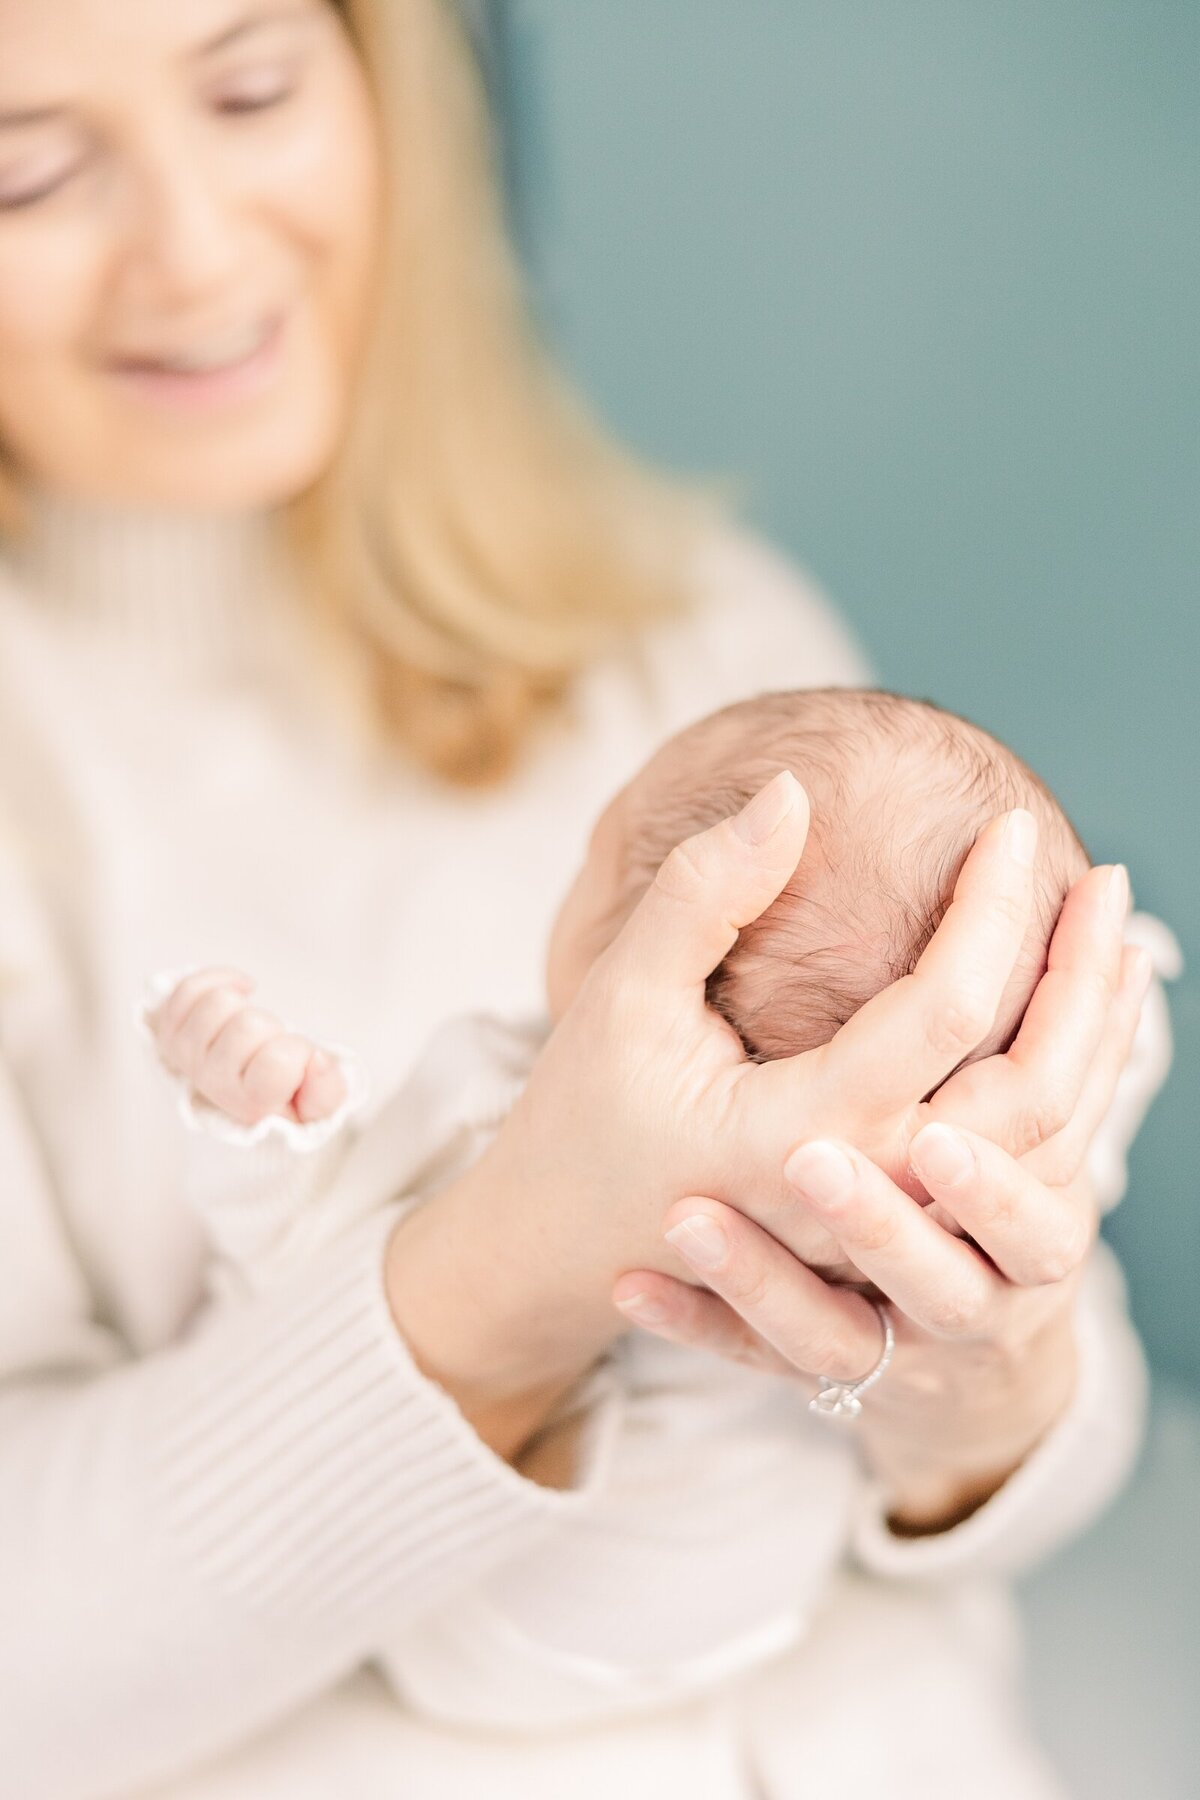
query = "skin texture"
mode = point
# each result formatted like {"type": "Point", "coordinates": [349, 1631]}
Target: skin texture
{"type": "Point", "coordinates": [173, 194]}
{"type": "Point", "coordinates": [238, 1057]}
{"type": "Point", "coordinates": [169, 196]}
{"type": "Point", "coordinates": [984, 1353]}
{"type": "Point", "coordinates": [639, 1074]}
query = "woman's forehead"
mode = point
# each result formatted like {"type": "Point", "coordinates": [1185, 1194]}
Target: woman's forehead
{"type": "Point", "coordinates": [54, 44]}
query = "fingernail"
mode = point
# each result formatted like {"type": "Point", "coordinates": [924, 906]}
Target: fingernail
{"type": "Point", "coordinates": [1020, 836]}
{"type": "Point", "coordinates": [942, 1155]}
{"type": "Point", "coordinates": [643, 1309]}
{"type": "Point", "coordinates": [822, 1172]}
{"type": "Point", "coordinates": [700, 1241]}
{"type": "Point", "coordinates": [1117, 897]}
{"type": "Point", "coordinates": [762, 816]}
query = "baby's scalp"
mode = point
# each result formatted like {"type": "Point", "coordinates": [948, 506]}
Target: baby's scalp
{"type": "Point", "coordinates": [899, 790]}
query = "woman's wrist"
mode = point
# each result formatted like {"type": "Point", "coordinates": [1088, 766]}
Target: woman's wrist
{"type": "Point", "coordinates": [942, 1453]}
{"type": "Point", "coordinates": [488, 1311]}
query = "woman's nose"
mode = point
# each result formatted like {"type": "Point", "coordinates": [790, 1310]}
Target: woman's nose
{"type": "Point", "coordinates": [186, 238]}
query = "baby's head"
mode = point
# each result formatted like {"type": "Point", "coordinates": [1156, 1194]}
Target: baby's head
{"type": "Point", "coordinates": [899, 792]}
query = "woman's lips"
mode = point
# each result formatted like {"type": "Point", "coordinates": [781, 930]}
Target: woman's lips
{"type": "Point", "coordinates": [206, 389]}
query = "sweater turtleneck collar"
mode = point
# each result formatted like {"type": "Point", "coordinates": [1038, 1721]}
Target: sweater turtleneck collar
{"type": "Point", "coordinates": [207, 586]}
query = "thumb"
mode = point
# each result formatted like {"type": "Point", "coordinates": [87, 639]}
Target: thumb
{"type": "Point", "coordinates": [711, 885]}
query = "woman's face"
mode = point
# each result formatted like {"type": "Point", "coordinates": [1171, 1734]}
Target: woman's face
{"type": "Point", "coordinates": [188, 210]}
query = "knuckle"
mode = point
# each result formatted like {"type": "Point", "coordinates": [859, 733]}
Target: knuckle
{"type": "Point", "coordinates": [272, 1068]}
{"type": "Point", "coordinates": [246, 1030]}
{"type": "Point", "coordinates": [211, 1014]}
{"type": "Point", "coordinates": [246, 1109]}
{"type": "Point", "coordinates": [1062, 1258]}
{"type": "Point", "coordinates": [680, 876]}
{"type": "Point", "coordinates": [875, 1232]}
{"type": "Point", "coordinates": [189, 1000]}
{"type": "Point", "coordinates": [954, 1312]}
{"type": "Point", "coordinates": [748, 1288]}
{"type": "Point", "coordinates": [1054, 1265]}
{"type": "Point", "coordinates": [1100, 986]}
{"type": "Point", "coordinates": [1012, 910]}
{"type": "Point", "coordinates": [1053, 1111]}
{"type": "Point", "coordinates": [826, 1353]}
{"type": "Point", "coordinates": [997, 1208]}
{"type": "Point", "coordinates": [190, 989]}
{"type": "Point", "coordinates": [1035, 1125]}
{"type": "Point", "coordinates": [957, 1026]}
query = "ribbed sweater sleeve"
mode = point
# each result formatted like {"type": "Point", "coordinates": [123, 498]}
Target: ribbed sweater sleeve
{"type": "Point", "coordinates": [193, 1543]}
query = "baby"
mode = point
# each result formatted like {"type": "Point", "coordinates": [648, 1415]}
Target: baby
{"type": "Point", "coordinates": [899, 791]}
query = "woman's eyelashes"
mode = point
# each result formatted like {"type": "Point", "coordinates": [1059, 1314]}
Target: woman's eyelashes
{"type": "Point", "coordinates": [257, 90]}
{"type": "Point", "coordinates": [35, 178]}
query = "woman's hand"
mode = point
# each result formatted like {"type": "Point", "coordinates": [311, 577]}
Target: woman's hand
{"type": "Point", "coordinates": [643, 1096]}
{"type": "Point", "coordinates": [984, 1360]}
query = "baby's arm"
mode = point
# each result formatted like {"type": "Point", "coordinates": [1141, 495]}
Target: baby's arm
{"type": "Point", "coordinates": [266, 1107]}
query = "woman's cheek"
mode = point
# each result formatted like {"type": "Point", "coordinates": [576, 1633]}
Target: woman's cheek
{"type": "Point", "coordinates": [322, 184]}
{"type": "Point", "coordinates": [49, 307]}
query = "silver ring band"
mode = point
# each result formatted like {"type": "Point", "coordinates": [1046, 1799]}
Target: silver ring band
{"type": "Point", "coordinates": [841, 1399]}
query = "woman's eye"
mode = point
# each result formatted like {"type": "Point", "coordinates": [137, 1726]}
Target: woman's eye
{"type": "Point", "coordinates": [256, 92]}
{"type": "Point", "coordinates": [27, 189]}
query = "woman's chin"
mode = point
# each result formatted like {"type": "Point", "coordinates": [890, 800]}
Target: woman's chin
{"type": "Point", "coordinates": [259, 471]}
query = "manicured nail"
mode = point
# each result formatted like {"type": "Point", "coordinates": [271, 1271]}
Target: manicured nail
{"type": "Point", "coordinates": [642, 1309]}
{"type": "Point", "coordinates": [823, 1173]}
{"type": "Point", "coordinates": [1020, 835]}
{"type": "Point", "coordinates": [1117, 897]}
{"type": "Point", "coordinates": [942, 1155]}
{"type": "Point", "coordinates": [700, 1241]}
{"type": "Point", "coordinates": [762, 816]}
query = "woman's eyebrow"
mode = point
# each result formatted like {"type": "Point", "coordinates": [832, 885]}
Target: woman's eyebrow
{"type": "Point", "coordinates": [30, 115]}
{"type": "Point", "coordinates": [270, 15]}
{"type": "Point", "coordinates": [244, 27]}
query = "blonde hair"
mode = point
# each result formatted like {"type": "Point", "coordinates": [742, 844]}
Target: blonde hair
{"type": "Point", "coordinates": [477, 533]}
{"type": "Point", "coordinates": [476, 540]}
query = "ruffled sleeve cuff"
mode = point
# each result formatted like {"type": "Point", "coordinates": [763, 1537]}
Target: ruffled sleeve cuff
{"type": "Point", "coordinates": [258, 1189]}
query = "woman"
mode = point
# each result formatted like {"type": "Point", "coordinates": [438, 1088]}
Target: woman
{"type": "Point", "coordinates": [280, 457]}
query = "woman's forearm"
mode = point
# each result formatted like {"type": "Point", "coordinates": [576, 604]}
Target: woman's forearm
{"type": "Point", "coordinates": [492, 1309]}
{"type": "Point", "coordinates": [194, 1544]}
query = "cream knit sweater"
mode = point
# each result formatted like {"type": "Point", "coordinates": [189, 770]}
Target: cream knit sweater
{"type": "Point", "coordinates": [211, 1517]}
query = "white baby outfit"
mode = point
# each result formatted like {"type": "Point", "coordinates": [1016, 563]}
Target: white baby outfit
{"type": "Point", "coordinates": [212, 1514]}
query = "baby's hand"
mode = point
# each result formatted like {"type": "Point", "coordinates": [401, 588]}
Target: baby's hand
{"type": "Point", "coordinates": [240, 1059]}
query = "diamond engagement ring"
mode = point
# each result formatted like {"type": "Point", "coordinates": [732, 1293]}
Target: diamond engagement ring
{"type": "Point", "coordinates": [840, 1399]}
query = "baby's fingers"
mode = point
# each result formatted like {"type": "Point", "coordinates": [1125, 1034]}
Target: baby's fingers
{"type": "Point", "coordinates": [170, 1014]}
{"type": "Point", "coordinates": [274, 1074]}
{"type": "Point", "coordinates": [194, 1014]}
{"type": "Point", "coordinates": [322, 1089]}
{"type": "Point", "coordinates": [253, 1066]}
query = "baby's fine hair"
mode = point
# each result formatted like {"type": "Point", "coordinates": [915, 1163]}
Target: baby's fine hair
{"type": "Point", "coordinates": [899, 790]}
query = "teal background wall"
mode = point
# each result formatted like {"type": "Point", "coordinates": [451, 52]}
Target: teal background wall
{"type": "Point", "coordinates": [925, 273]}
